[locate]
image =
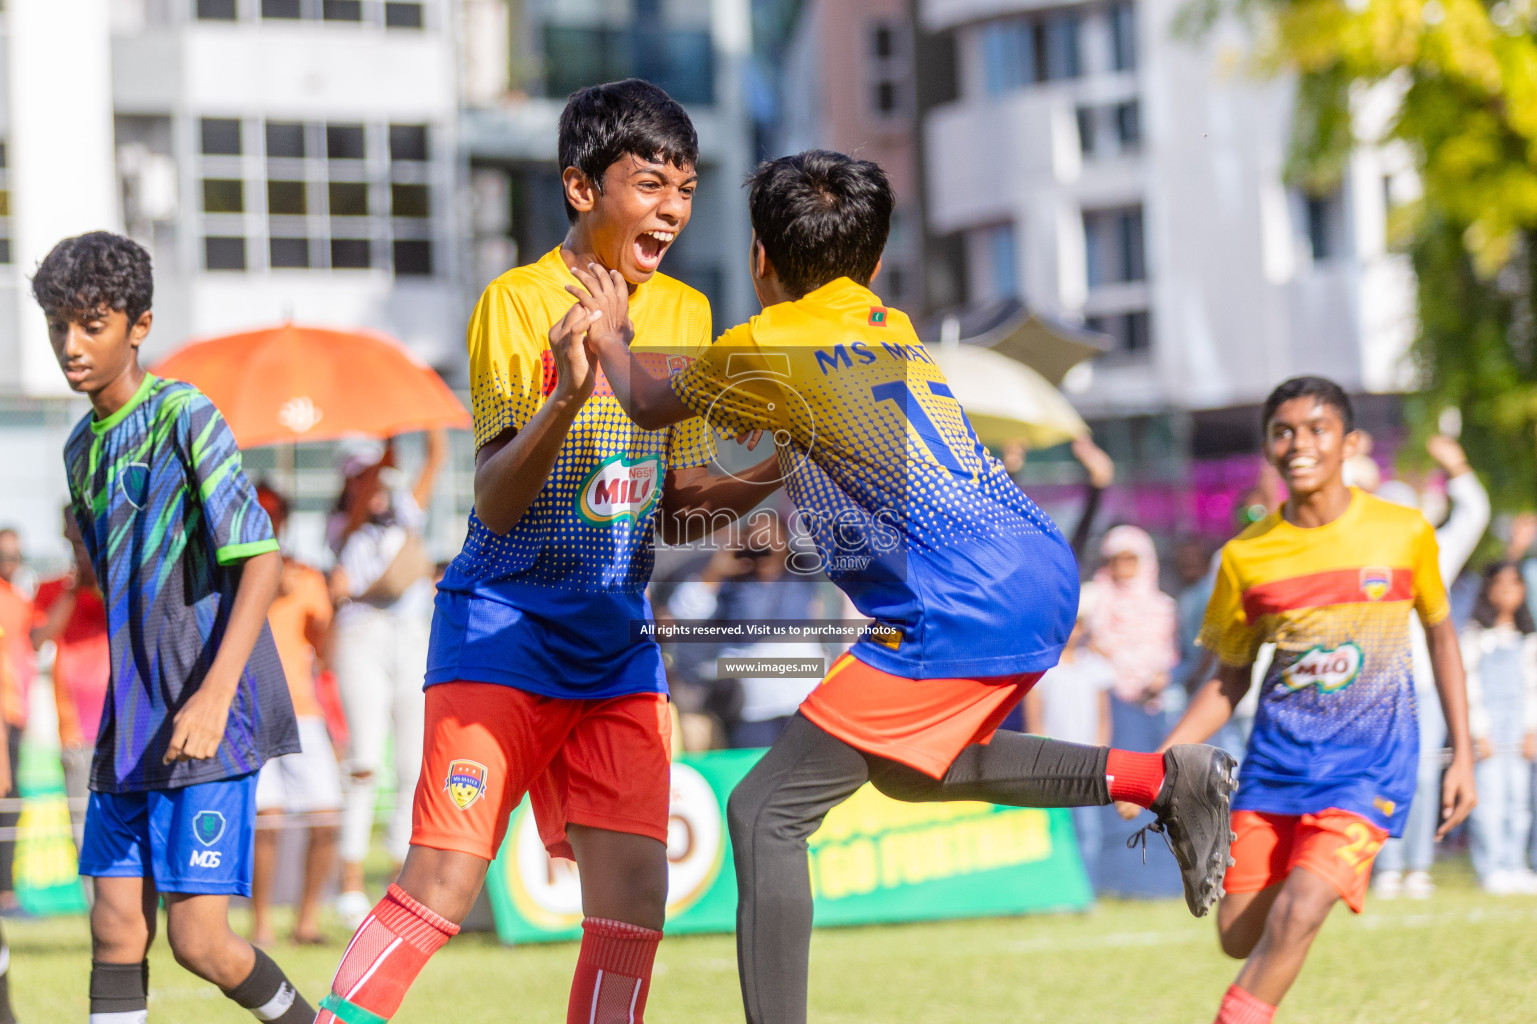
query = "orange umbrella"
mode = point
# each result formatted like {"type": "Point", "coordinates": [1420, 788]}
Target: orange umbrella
{"type": "Point", "coordinates": [293, 383]}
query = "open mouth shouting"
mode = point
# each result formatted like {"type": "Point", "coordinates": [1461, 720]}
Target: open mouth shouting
{"type": "Point", "coordinates": [650, 246]}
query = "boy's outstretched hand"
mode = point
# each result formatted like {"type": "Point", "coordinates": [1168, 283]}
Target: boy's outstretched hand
{"type": "Point", "coordinates": [576, 368]}
{"type": "Point", "coordinates": [607, 295]}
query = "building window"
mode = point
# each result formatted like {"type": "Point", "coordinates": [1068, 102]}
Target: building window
{"type": "Point", "coordinates": [224, 253]}
{"type": "Point", "coordinates": [1110, 130]}
{"type": "Point", "coordinates": [1113, 245]}
{"type": "Point", "coordinates": [223, 195]}
{"type": "Point", "coordinates": [221, 136]}
{"type": "Point", "coordinates": [287, 9]}
{"type": "Point", "coordinates": [216, 10]}
{"type": "Point", "coordinates": [1003, 260]}
{"type": "Point", "coordinates": [408, 142]}
{"type": "Point", "coordinates": [5, 207]}
{"type": "Point", "coordinates": [1123, 36]}
{"type": "Point", "coordinates": [1132, 331]}
{"type": "Point", "coordinates": [403, 15]}
{"type": "Point", "coordinates": [679, 60]}
{"type": "Point", "coordinates": [889, 70]}
{"type": "Point", "coordinates": [1017, 52]}
{"type": "Point", "coordinates": [342, 196]}
{"type": "Point", "coordinates": [1326, 224]}
{"type": "Point", "coordinates": [1059, 47]}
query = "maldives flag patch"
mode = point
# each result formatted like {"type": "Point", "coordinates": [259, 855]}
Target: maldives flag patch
{"type": "Point", "coordinates": [877, 316]}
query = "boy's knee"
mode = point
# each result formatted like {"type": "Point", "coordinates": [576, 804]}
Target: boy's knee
{"type": "Point", "coordinates": [1297, 916]}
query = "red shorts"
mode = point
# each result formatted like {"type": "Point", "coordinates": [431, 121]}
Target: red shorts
{"type": "Point", "coordinates": [1336, 845]}
{"type": "Point", "coordinates": [922, 723]}
{"type": "Point", "coordinates": [602, 763]}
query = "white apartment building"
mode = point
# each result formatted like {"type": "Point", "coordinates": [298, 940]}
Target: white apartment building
{"type": "Point", "coordinates": [281, 159]}
{"type": "Point", "coordinates": [1105, 172]}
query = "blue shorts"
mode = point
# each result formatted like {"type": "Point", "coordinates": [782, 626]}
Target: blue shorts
{"type": "Point", "coordinates": [198, 839]}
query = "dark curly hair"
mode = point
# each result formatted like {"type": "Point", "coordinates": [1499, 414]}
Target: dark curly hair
{"type": "Point", "coordinates": [94, 271]}
{"type": "Point", "coordinates": [1321, 388]}
{"type": "Point", "coordinates": [602, 123]}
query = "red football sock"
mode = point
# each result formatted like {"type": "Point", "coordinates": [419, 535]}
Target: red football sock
{"type": "Point", "coordinates": [1134, 777]}
{"type": "Point", "coordinates": [613, 973]}
{"type": "Point", "coordinates": [1239, 1007]}
{"type": "Point", "coordinates": [389, 950]}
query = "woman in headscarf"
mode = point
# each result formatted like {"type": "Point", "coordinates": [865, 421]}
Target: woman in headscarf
{"type": "Point", "coordinates": [1135, 625]}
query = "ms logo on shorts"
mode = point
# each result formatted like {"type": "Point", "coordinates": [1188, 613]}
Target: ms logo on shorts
{"type": "Point", "coordinates": [466, 782]}
{"type": "Point", "coordinates": [208, 826]}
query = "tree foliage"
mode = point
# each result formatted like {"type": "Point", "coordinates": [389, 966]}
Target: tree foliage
{"type": "Point", "coordinates": [1464, 74]}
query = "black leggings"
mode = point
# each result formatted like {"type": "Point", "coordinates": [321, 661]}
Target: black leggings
{"type": "Point", "coordinates": [808, 772]}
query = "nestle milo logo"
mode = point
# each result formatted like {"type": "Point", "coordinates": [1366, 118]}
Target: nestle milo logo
{"type": "Point", "coordinates": [619, 487]}
{"type": "Point", "coordinates": [1330, 670]}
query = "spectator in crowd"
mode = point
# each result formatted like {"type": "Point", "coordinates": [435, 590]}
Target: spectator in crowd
{"type": "Point", "coordinates": [382, 587]}
{"type": "Point", "coordinates": [1072, 702]}
{"type": "Point", "coordinates": [69, 613]}
{"type": "Point", "coordinates": [1499, 651]}
{"type": "Point", "coordinates": [307, 783]}
{"type": "Point", "coordinates": [1456, 539]}
{"type": "Point", "coordinates": [1197, 573]}
{"type": "Point", "coordinates": [752, 582]}
{"type": "Point", "coordinates": [1134, 624]}
{"type": "Point", "coordinates": [16, 670]}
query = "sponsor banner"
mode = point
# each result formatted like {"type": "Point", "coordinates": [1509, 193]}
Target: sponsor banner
{"type": "Point", "coordinates": [874, 860]}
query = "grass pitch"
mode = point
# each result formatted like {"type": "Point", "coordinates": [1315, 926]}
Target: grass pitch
{"type": "Point", "coordinates": [1462, 956]}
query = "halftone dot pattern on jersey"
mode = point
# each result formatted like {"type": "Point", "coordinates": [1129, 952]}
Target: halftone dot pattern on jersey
{"type": "Point", "coordinates": [511, 370]}
{"type": "Point", "coordinates": [907, 510]}
{"type": "Point", "coordinates": [1336, 724]}
{"type": "Point", "coordinates": [548, 606]}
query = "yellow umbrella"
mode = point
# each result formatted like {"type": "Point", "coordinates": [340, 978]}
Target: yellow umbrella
{"type": "Point", "coordinates": [1005, 400]}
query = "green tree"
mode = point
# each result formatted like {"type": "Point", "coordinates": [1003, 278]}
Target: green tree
{"type": "Point", "coordinates": [1465, 74]}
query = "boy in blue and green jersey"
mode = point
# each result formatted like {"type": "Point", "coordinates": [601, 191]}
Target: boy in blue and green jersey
{"type": "Point", "coordinates": [197, 702]}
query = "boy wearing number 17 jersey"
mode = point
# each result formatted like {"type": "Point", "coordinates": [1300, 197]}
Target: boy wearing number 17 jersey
{"type": "Point", "coordinates": [972, 588]}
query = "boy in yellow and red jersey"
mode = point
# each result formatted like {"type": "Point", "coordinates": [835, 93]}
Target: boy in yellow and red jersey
{"type": "Point", "coordinates": [1331, 579]}
{"type": "Point", "coordinates": [533, 682]}
{"type": "Point", "coordinates": [973, 588]}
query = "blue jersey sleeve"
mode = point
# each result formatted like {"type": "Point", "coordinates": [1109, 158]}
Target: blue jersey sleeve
{"type": "Point", "coordinates": [234, 523]}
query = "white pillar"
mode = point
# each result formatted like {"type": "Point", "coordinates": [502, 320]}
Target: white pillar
{"type": "Point", "coordinates": [731, 29]}
{"type": "Point", "coordinates": [62, 169]}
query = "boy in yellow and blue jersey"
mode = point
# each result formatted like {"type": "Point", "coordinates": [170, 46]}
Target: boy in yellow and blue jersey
{"type": "Point", "coordinates": [197, 701]}
{"type": "Point", "coordinates": [1331, 579]}
{"type": "Point", "coordinates": [533, 684]}
{"type": "Point", "coordinates": [972, 588]}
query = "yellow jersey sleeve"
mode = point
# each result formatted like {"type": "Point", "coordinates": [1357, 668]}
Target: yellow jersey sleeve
{"type": "Point", "coordinates": [735, 386]}
{"type": "Point", "coordinates": [1429, 590]}
{"type": "Point", "coordinates": [692, 442]}
{"type": "Point", "coordinates": [506, 363]}
{"type": "Point", "coordinates": [1226, 630]}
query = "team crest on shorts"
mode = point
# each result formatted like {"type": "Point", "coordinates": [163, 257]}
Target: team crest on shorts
{"type": "Point", "coordinates": [207, 827]}
{"type": "Point", "coordinates": [1376, 581]}
{"type": "Point", "coordinates": [466, 782]}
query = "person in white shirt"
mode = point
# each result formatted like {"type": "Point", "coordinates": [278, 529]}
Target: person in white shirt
{"type": "Point", "coordinates": [382, 586]}
{"type": "Point", "coordinates": [1499, 650]}
{"type": "Point", "coordinates": [1072, 702]}
{"type": "Point", "coordinates": [1456, 539]}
